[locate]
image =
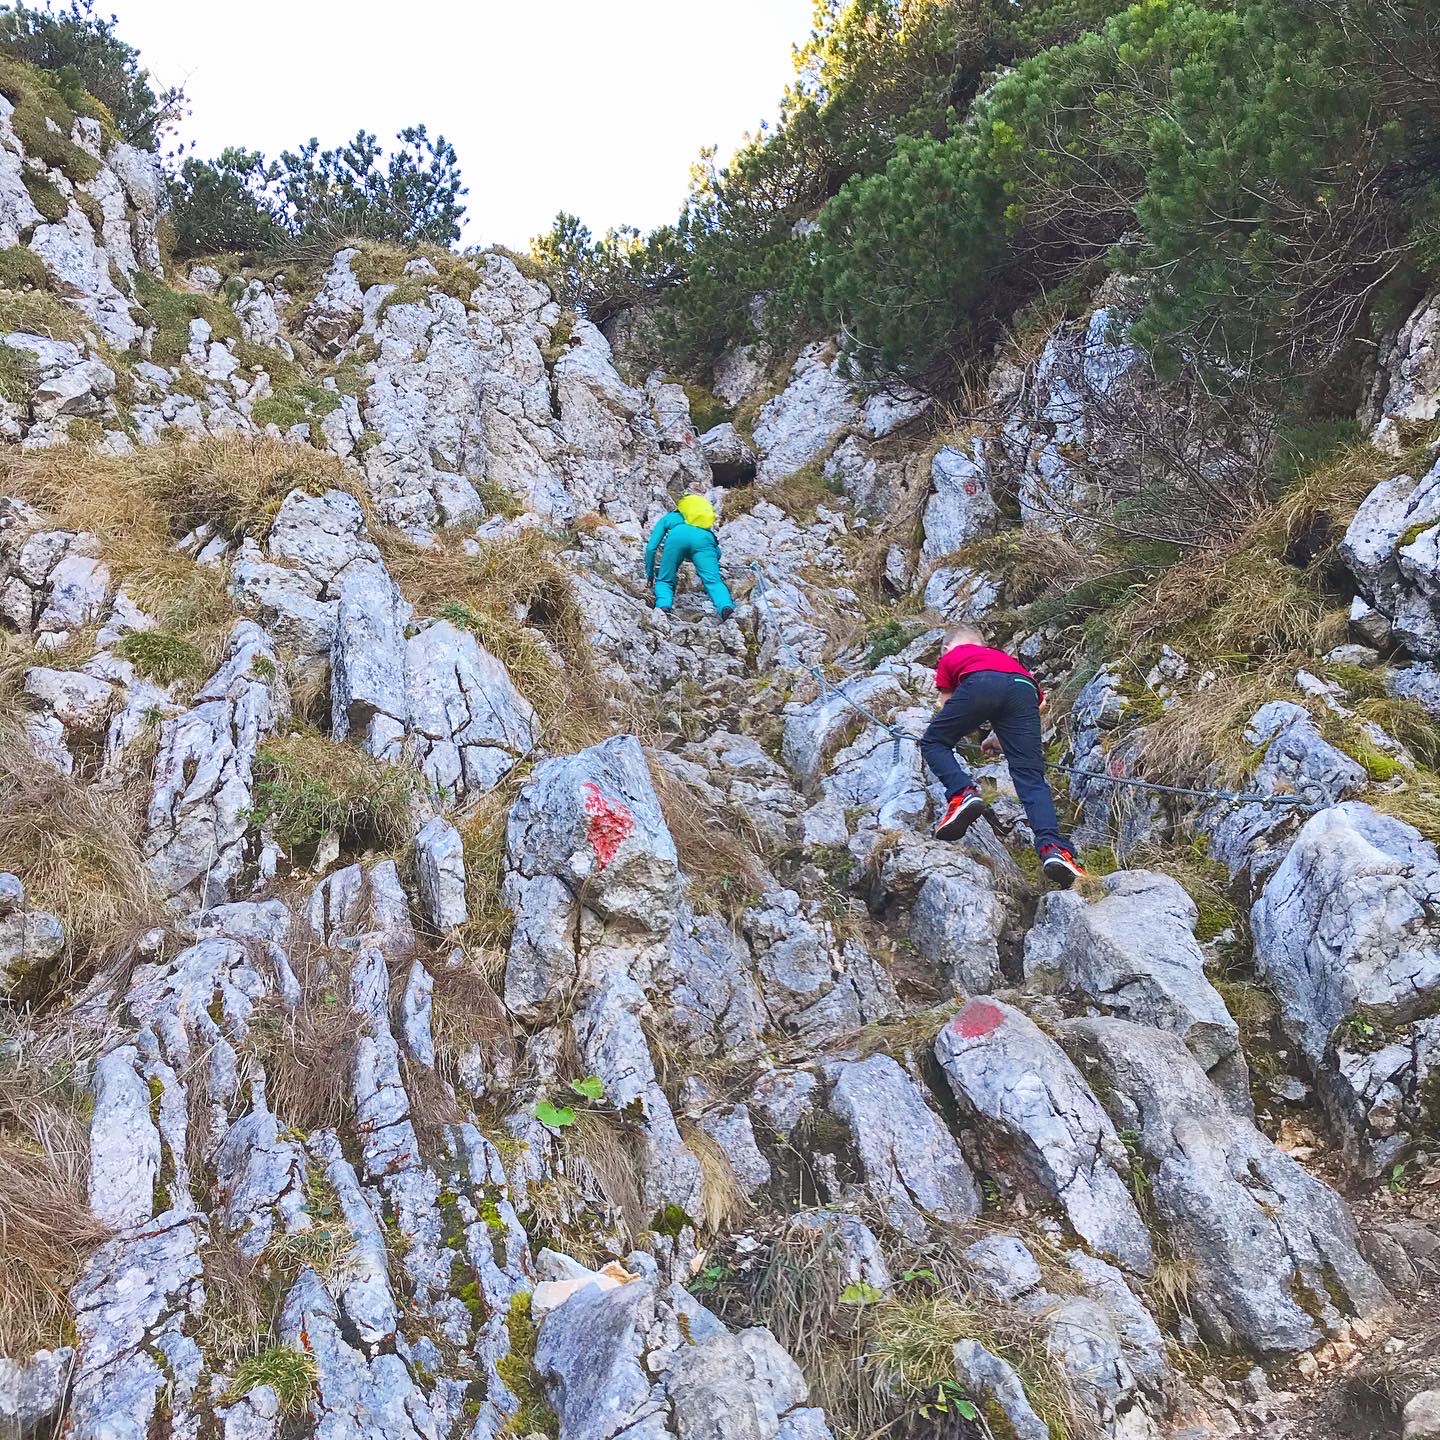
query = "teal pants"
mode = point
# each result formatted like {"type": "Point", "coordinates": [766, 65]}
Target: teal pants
{"type": "Point", "coordinates": [704, 554]}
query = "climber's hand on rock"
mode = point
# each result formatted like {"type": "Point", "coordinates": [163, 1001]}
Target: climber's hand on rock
{"type": "Point", "coordinates": [990, 746]}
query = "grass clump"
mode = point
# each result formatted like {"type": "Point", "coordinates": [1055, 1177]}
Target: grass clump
{"type": "Point", "coordinates": [483, 836]}
{"type": "Point", "coordinates": [38, 312]}
{"type": "Point", "coordinates": [307, 1052]}
{"type": "Point", "coordinates": [171, 311]}
{"type": "Point", "coordinates": [22, 269]}
{"type": "Point", "coordinates": [717, 852]}
{"type": "Point", "coordinates": [46, 1227]}
{"type": "Point", "coordinates": [19, 375]}
{"type": "Point", "coordinates": [291, 1374]}
{"type": "Point", "coordinates": [162, 656]}
{"type": "Point", "coordinates": [308, 786]}
{"type": "Point", "coordinates": [295, 404]}
{"type": "Point", "coordinates": [76, 850]}
{"type": "Point", "coordinates": [800, 495]}
{"type": "Point", "coordinates": [36, 100]}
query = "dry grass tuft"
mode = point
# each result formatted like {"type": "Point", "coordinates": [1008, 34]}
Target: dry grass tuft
{"type": "Point", "coordinates": [46, 1227]}
{"type": "Point", "coordinates": [717, 852]}
{"type": "Point", "coordinates": [77, 852]}
{"type": "Point", "coordinates": [605, 1150]}
{"type": "Point", "coordinates": [724, 1203]}
{"type": "Point", "coordinates": [307, 785]}
{"type": "Point", "coordinates": [307, 1053]}
{"type": "Point", "coordinates": [466, 1011]}
{"type": "Point", "coordinates": [483, 834]}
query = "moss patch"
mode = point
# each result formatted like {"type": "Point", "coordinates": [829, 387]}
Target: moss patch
{"type": "Point", "coordinates": [533, 1414]}
{"type": "Point", "coordinates": [171, 311]}
{"type": "Point", "coordinates": [21, 269]}
{"type": "Point", "coordinates": [162, 656]}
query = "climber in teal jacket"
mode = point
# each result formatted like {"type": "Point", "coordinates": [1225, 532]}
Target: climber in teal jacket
{"type": "Point", "coordinates": [687, 533]}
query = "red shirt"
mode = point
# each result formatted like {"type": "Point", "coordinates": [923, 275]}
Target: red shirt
{"type": "Point", "coordinates": [965, 660]}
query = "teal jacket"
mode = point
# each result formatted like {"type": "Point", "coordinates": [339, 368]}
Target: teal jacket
{"type": "Point", "coordinates": [688, 540]}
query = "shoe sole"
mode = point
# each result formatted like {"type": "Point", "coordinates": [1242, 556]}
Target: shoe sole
{"type": "Point", "coordinates": [1060, 873]}
{"type": "Point", "coordinates": [954, 829]}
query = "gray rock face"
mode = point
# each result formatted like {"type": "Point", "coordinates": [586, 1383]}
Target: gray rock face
{"type": "Point", "coordinates": [1406, 388]}
{"type": "Point", "coordinates": [652, 1363]}
{"type": "Point", "coordinates": [367, 665]}
{"type": "Point", "coordinates": [986, 1375]}
{"type": "Point", "coordinates": [961, 508]}
{"type": "Point", "coordinates": [958, 915]}
{"type": "Point", "coordinates": [912, 1166]}
{"type": "Point", "coordinates": [1133, 952]}
{"type": "Point", "coordinates": [334, 314]}
{"type": "Point", "coordinates": [32, 1391]}
{"type": "Point", "coordinates": [196, 821]}
{"type": "Point", "coordinates": [1031, 1102]}
{"type": "Point", "coordinates": [812, 986]}
{"type": "Point", "coordinates": [586, 837]}
{"type": "Point", "coordinates": [801, 422]}
{"type": "Point", "coordinates": [1393, 549]}
{"type": "Point", "coordinates": [1272, 1246]}
{"type": "Point", "coordinates": [440, 861]}
{"type": "Point", "coordinates": [469, 724]}
{"type": "Point", "coordinates": [1347, 934]}
{"type": "Point", "coordinates": [731, 457]}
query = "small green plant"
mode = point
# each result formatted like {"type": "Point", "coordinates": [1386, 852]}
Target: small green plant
{"type": "Point", "coordinates": [1397, 1184]}
{"type": "Point", "coordinates": [709, 1280]}
{"type": "Point", "coordinates": [161, 656]}
{"type": "Point", "coordinates": [290, 1373]}
{"type": "Point", "coordinates": [556, 1117]}
{"type": "Point", "coordinates": [860, 1292]}
{"type": "Point", "coordinates": [928, 1276]}
{"type": "Point", "coordinates": [948, 1398]}
{"type": "Point", "coordinates": [887, 640]}
{"type": "Point", "coordinates": [671, 1220]}
{"type": "Point", "coordinates": [592, 1087]}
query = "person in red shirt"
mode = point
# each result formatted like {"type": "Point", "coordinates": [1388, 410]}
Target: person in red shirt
{"type": "Point", "coordinates": [982, 685]}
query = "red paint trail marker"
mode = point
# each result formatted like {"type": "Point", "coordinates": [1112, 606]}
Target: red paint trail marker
{"type": "Point", "coordinates": [608, 823]}
{"type": "Point", "coordinates": [978, 1018]}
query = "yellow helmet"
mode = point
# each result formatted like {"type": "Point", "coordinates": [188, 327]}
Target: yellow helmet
{"type": "Point", "coordinates": [697, 510]}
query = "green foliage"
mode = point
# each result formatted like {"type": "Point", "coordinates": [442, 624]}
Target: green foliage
{"type": "Point", "coordinates": [533, 1415]}
{"type": "Point", "coordinates": [859, 1292]}
{"type": "Point", "coordinates": [19, 375]}
{"type": "Point", "coordinates": [313, 199]}
{"type": "Point", "coordinates": [557, 1117]}
{"type": "Point", "coordinates": [95, 71]}
{"type": "Point", "coordinates": [672, 1221]}
{"type": "Point", "coordinates": [1245, 162]}
{"type": "Point", "coordinates": [307, 786]}
{"type": "Point", "coordinates": [221, 204]}
{"type": "Point", "coordinates": [592, 1087]}
{"type": "Point", "coordinates": [295, 404]}
{"type": "Point", "coordinates": [38, 100]}
{"type": "Point", "coordinates": [887, 639]}
{"type": "Point", "coordinates": [171, 312]}
{"type": "Point", "coordinates": [21, 269]}
{"type": "Point", "coordinates": [290, 1373]}
{"type": "Point", "coordinates": [161, 655]}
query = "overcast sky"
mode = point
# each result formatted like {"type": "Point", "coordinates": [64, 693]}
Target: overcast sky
{"type": "Point", "coordinates": [594, 106]}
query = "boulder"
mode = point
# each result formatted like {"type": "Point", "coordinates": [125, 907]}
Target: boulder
{"type": "Point", "coordinates": [1347, 935]}
{"type": "Point", "coordinates": [960, 508]}
{"type": "Point", "coordinates": [800, 424]}
{"type": "Point", "coordinates": [911, 1165]}
{"type": "Point", "coordinates": [440, 865]}
{"type": "Point", "coordinates": [1406, 387]}
{"type": "Point", "coordinates": [1274, 1249]}
{"type": "Point", "coordinates": [1133, 953]}
{"type": "Point", "coordinates": [1033, 1106]}
{"type": "Point", "coordinates": [731, 457]}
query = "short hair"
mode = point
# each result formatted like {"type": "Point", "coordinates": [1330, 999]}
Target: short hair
{"type": "Point", "coordinates": [962, 635]}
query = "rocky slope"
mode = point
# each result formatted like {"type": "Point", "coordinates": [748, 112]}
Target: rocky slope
{"type": "Point", "coordinates": [442, 999]}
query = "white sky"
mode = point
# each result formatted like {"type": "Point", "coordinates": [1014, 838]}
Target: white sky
{"type": "Point", "coordinates": [594, 106]}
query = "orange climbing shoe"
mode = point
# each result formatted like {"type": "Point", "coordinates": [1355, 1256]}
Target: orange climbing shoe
{"type": "Point", "coordinates": [1061, 866]}
{"type": "Point", "coordinates": [960, 814]}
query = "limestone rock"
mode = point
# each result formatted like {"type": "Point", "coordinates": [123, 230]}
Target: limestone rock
{"type": "Point", "coordinates": [1133, 953]}
{"type": "Point", "coordinates": [1406, 388]}
{"type": "Point", "coordinates": [1018, 1084]}
{"type": "Point", "coordinates": [1273, 1246]}
{"type": "Point", "coordinates": [1347, 934]}
{"type": "Point", "coordinates": [799, 424]}
{"type": "Point", "coordinates": [440, 862]}
{"type": "Point", "coordinates": [912, 1166]}
{"type": "Point", "coordinates": [731, 457]}
{"type": "Point", "coordinates": [28, 937]}
{"type": "Point", "coordinates": [469, 724]}
{"type": "Point", "coordinates": [961, 508]}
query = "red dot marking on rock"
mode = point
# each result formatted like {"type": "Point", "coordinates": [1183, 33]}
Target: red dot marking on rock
{"type": "Point", "coordinates": [608, 823]}
{"type": "Point", "coordinates": [978, 1018]}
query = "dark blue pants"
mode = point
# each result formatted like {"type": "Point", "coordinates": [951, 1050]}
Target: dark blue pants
{"type": "Point", "coordinates": [1012, 706]}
